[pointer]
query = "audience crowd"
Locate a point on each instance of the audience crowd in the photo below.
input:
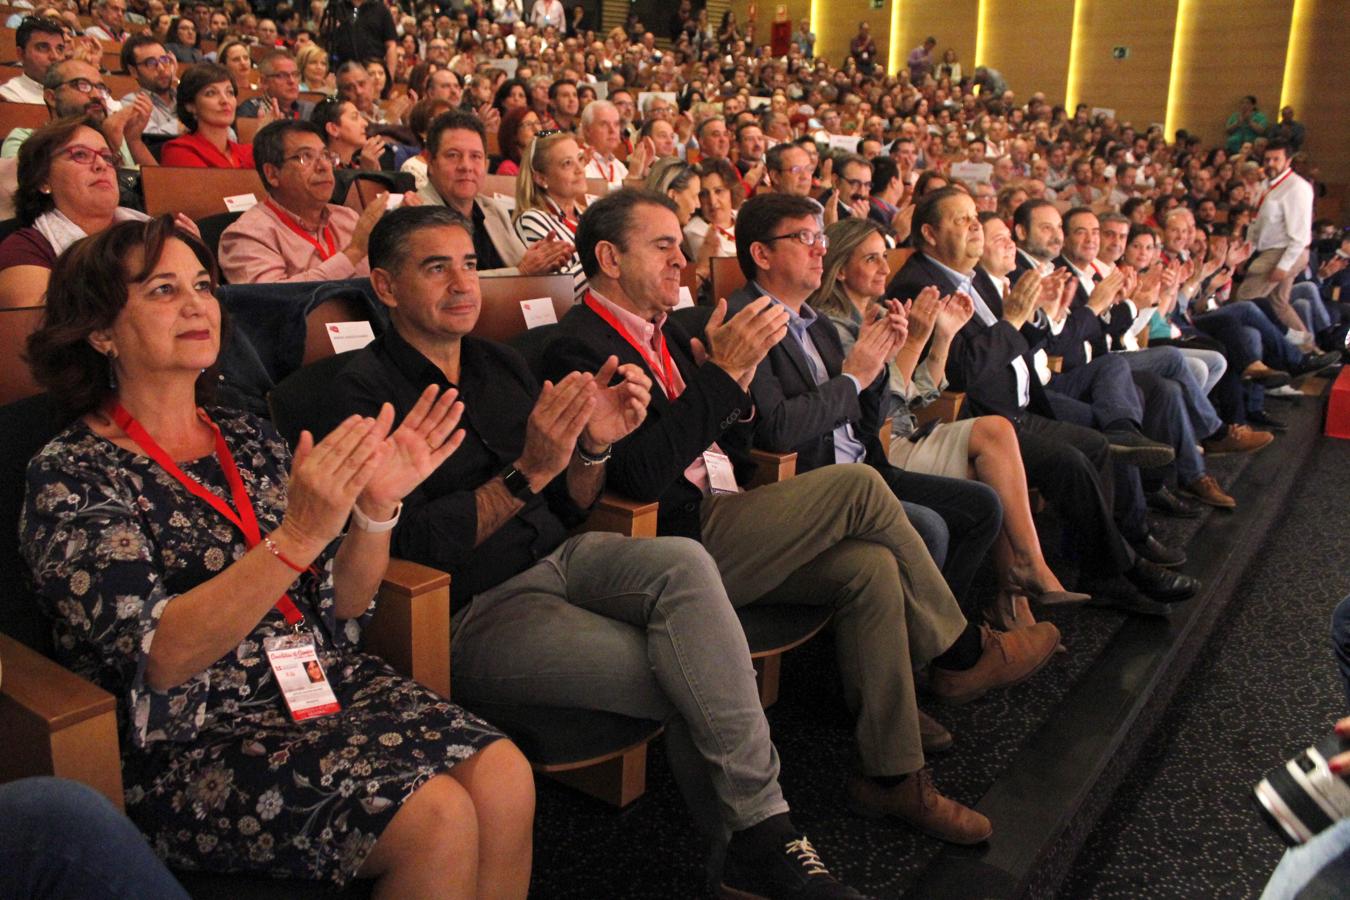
(1113, 308)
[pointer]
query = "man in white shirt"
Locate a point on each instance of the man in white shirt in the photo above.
(41, 42)
(1280, 236)
(109, 19)
(600, 132)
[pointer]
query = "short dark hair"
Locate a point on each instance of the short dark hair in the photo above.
(988, 216)
(269, 144)
(610, 219)
(884, 171)
(134, 43)
(388, 245)
(37, 25)
(1279, 144)
(742, 126)
(35, 165)
(773, 158)
(86, 292)
(553, 88)
(196, 79)
(758, 218)
(1129, 206)
(454, 120)
(928, 211)
(327, 111)
(1022, 217)
(1074, 213)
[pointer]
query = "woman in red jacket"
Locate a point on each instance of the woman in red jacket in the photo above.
(206, 103)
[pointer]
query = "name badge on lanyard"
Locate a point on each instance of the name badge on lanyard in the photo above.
(304, 685)
(721, 474)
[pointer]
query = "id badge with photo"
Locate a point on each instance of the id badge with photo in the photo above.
(304, 684)
(721, 474)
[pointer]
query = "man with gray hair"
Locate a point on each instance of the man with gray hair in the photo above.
(280, 97)
(109, 17)
(600, 132)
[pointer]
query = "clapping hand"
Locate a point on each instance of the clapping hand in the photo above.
(954, 311)
(738, 346)
(619, 408)
(923, 313)
(427, 437)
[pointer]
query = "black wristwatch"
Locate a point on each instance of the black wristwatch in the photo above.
(516, 483)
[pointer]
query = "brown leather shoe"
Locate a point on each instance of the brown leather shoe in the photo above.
(1207, 491)
(917, 802)
(935, 736)
(1265, 375)
(1237, 439)
(1009, 657)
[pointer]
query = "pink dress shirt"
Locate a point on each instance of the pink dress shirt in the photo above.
(259, 248)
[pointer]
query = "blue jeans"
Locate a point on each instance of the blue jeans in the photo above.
(61, 839)
(1340, 641)
(1319, 869)
(1105, 385)
(1170, 363)
(1307, 302)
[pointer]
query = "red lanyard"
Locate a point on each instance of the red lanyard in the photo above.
(664, 371)
(1273, 185)
(325, 251)
(241, 516)
(607, 170)
(557, 211)
(726, 234)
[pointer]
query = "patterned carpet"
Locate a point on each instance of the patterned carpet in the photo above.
(653, 851)
(1183, 824)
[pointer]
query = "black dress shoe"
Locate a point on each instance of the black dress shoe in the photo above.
(1266, 423)
(1133, 448)
(1169, 504)
(1160, 584)
(780, 865)
(1314, 362)
(1156, 553)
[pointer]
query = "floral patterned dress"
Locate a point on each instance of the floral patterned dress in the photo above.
(216, 772)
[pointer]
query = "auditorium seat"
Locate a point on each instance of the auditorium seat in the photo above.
(502, 318)
(727, 277)
(16, 324)
(197, 193)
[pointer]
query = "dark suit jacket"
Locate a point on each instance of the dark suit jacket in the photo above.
(1118, 321)
(649, 464)
(794, 414)
(980, 360)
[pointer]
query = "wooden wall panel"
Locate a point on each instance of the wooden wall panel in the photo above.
(1315, 87)
(837, 24)
(953, 22)
(1029, 44)
(1229, 48)
(1135, 87)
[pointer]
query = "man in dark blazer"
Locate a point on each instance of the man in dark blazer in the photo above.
(827, 408)
(991, 361)
(834, 536)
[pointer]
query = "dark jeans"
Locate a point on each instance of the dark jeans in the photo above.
(61, 839)
(1227, 394)
(1127, 487)
(1105, 384)
(972, 513)
(1340, 641)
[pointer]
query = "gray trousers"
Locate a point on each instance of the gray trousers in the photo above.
(838, 536)
(640, 627)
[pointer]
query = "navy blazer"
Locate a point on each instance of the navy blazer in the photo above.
(649, 464)
(793, 414)
(980, 360)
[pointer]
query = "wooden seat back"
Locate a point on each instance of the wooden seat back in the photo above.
(197, 193)
(21, 115)
(727, 277)
(896, 259)
(16, 324)
(501, 317)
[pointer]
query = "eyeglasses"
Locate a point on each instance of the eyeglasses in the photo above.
(85, 86)
(806, 237)
(286, 76)
(859, 184)
(157, 62)
(798, 170)
(83, 155)
(307, 158)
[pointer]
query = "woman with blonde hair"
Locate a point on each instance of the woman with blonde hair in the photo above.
(312, 61)
(551, 195)
(982, 449)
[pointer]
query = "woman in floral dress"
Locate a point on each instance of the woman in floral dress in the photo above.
(164, 541)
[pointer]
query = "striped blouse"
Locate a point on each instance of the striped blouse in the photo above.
(535, 225)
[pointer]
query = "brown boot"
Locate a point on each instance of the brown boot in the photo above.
(934, 735)
(1009, 657)
(1237, 439)
(1207, 491)
(917, 802)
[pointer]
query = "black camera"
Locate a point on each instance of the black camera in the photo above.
(1304, 797)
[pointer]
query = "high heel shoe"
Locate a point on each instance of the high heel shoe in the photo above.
(1023, 581)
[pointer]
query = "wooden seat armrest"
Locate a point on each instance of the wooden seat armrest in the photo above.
(56, 723)
(1055, 363)
(411, 626)
(620, 515)
(771, 468)
(946, 408)
(885, 433)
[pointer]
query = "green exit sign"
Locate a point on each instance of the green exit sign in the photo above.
(878, 4)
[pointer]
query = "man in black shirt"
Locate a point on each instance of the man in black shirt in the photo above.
(640, 627)
(364, 31)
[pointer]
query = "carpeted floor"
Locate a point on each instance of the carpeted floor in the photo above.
(1183, 824)
(652, 850)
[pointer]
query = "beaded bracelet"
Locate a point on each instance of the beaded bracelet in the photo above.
(271, 545)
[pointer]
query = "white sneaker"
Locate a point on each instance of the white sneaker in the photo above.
(1284, 390)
